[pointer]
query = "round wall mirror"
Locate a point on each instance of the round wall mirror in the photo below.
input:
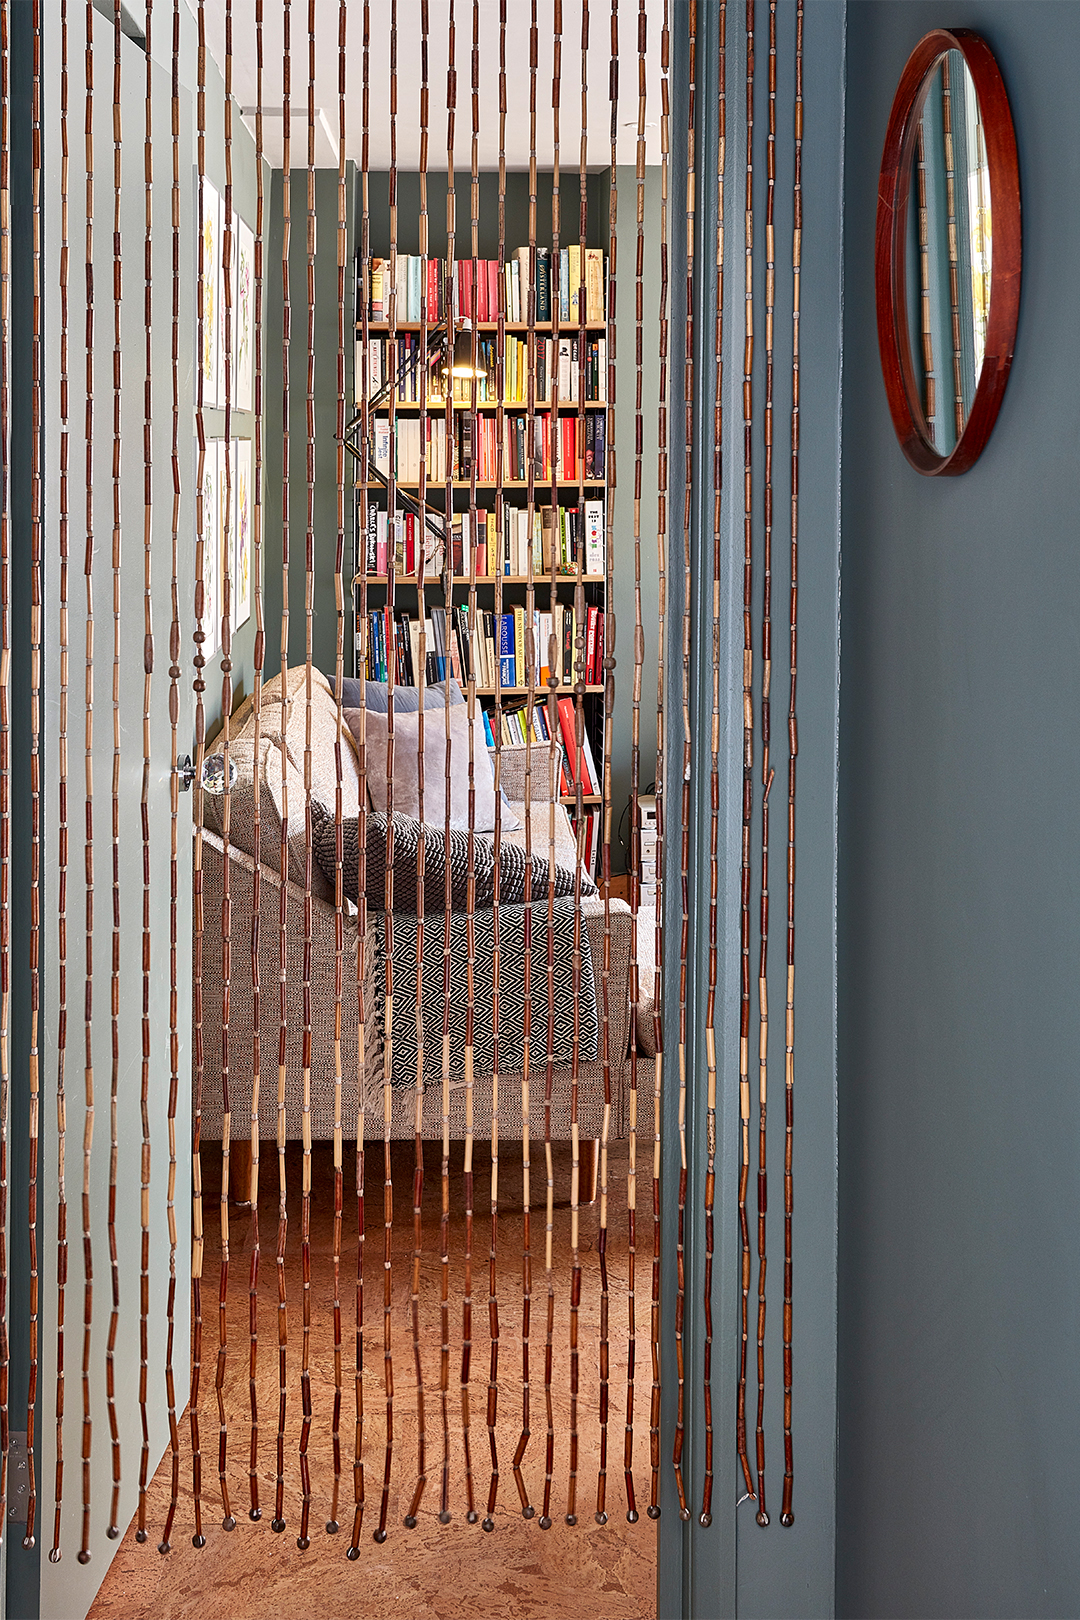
(948, 251)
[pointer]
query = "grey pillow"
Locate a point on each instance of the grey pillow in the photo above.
(406, 698)
(406, 795)
(407, 701)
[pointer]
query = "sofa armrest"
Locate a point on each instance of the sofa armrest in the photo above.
(615, 1005)
(324, 926)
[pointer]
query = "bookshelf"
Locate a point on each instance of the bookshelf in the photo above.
(569, 455)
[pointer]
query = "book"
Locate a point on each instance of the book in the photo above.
(579, 759)
(594, 285)
(519, 646)
(438, 637)
(382, 445)
(543, 284)
(566, 667)
(507, 662)
(592, 618)
(371, 540)
(378, 295)
(574, 268)
(524, 284)
(594, 537)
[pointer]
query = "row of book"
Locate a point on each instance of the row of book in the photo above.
(477, 290)
(488, 647)
(560, 363)
(570, 449)
(560, 538)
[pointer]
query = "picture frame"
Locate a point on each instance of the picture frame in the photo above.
(209, 270)
(240, 451)
(244, 316)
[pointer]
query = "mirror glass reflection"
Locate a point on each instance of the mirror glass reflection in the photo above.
(948, 251)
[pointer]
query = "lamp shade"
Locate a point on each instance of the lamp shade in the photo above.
(461, 364)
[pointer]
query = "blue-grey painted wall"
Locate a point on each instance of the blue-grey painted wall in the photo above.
(959, 1319)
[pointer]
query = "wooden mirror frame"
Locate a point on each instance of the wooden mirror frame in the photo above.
(890, 259)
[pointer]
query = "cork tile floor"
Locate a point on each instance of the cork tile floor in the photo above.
(433, 1572)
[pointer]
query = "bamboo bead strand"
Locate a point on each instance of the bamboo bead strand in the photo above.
(363, 396)
(144, 806)
(303, 1540)
(488, 1521)
(662, 472)
(605, 812)
(259, 655)
(88, 805)
(175, 672)
(714, 782)
(410, 1520)
(62, 839)
(5, 733)
(444, 1219)
(684, 845)
(766, 769)
(533, 655)
(379, 1534)
(277, 1523)
(787, 1516)
(635, 718)
(553, 732)
(225, 315)
(332, 1525)
(114, 977)
(748, 758)
(37, 525)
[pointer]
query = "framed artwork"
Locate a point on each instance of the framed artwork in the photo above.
(241, 453)
(211, 523)
(220, 401)
(243, 315)
(209, 359)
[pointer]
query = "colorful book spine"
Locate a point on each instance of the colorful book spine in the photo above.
(507, 661)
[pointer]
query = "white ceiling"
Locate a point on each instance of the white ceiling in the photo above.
(518, 21)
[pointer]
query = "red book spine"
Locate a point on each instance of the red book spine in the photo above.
(433, 290)
(410, 544)
(576, 758)
(493, 289)
(590, 647)
(465, 278)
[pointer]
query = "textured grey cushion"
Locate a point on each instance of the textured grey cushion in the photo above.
(513, 865)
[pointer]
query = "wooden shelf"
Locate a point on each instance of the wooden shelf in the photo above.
(566, 328)
(537, 691)
(518, 406)
(435, 485)
(462, 582)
